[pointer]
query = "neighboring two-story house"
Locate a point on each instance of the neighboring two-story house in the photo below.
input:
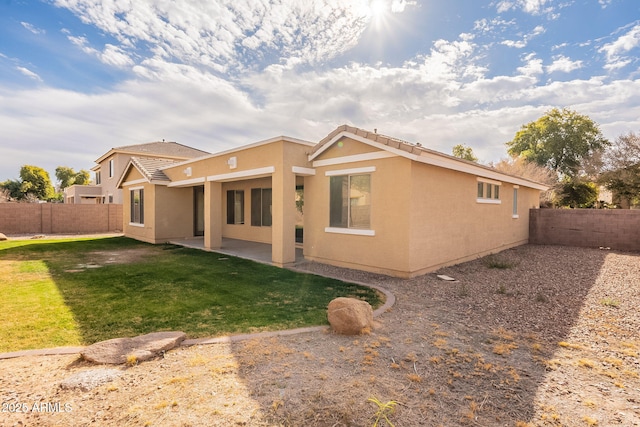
(110, 166)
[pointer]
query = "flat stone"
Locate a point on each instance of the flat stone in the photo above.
(87, 380)
(2, 237)
(445, 277)
(144, 347)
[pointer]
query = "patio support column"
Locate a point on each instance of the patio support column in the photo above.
(213, 215)
(283, 237)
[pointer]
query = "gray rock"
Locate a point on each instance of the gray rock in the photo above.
(122, 350)
(87, 380)
(350, 316)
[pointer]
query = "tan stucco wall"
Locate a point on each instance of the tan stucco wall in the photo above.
(424, 217)
(449, 226)
(386, 252)
(244, 231)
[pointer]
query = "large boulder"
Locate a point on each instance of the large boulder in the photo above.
(128, 350)
(350, 316)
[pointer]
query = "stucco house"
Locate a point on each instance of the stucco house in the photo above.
(110, 166)
(371, 202)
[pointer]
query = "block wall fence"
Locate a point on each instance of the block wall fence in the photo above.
(613, 228)
(55, 218)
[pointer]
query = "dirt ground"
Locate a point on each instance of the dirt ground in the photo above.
(534, 336)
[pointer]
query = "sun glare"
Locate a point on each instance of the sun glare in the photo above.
(378, 8)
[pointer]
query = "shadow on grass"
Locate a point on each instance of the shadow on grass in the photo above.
(119, 287)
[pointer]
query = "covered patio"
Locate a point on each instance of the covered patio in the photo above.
(259, 252)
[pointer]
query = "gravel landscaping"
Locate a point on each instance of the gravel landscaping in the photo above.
(533, 336)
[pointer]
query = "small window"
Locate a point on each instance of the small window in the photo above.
(235, 207)
(137, 206)
(111, 169)
(350, 201)
(488, 192)
(515, 203)
(261, 207)
(110, 198)
(98, 178)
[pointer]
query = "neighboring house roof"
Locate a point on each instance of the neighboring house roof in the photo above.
(160, 148)
(418, 153)
(150, 168)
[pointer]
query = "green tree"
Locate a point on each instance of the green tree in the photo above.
(36, 182)
(464, 152)
(67, 177)
(12, 189)
(576, 193)
(561, 140)
(622, 168)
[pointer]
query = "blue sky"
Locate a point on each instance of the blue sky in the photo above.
(78, 77)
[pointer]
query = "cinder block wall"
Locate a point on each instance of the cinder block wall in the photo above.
(613, 228)
(53, 218)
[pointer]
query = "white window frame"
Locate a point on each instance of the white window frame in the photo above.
(515, 202)
(492, 186)
(349, 173)
(112, 169)
(131, 208)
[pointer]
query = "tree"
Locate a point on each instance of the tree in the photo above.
(562, 140)
(464, 152)
(67, 177)
(575, 193)
(11, 189)
(518, 166)
(36, 182)
(622, 168)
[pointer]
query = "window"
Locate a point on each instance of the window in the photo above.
(98, 178)
(261, 207)
(110, 198)
(137, 206)
(111, 169)
(350, 201)
(515, 203)
(235, 207)
(488, 192)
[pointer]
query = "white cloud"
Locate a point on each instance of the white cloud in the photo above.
(563, 64)
(532, 66)
(243, 33)
(519, 44)
(534, 7)
(616, 50)
(398, 6)
(32, 28)
(29, 73)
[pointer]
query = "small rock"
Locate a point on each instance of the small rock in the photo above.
(87, 380)
(350, 316)
(140, 348)
(2, 237)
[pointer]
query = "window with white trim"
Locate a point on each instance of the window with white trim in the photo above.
(137, 206)
(112, 171)
(488, 192)
(515, 203)
(350, 201)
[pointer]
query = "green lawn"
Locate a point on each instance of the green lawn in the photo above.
(72, 292)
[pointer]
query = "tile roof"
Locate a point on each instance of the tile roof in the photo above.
(150, 167)
(169, 149)
(415, 149)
